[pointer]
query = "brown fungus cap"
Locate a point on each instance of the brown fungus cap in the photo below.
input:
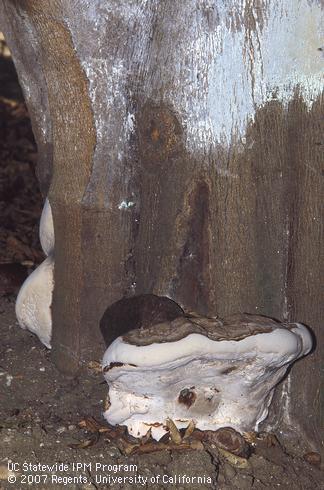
(236, 327)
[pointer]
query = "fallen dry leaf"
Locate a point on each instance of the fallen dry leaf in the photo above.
(228, 439)
(174, 432)
(234, 460)
(250, 437)
(189, 430)
(95, 366)
(87, 442)
(156, 446)
(268, 438)
(147, 438)
(113, 433)
(90, 424)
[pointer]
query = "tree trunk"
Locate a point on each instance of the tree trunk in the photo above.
(186, 146)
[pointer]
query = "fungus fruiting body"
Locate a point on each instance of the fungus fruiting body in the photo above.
(46, 229)
(213, 372)
(33, 304)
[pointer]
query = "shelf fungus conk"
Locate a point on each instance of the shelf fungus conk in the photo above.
(33, 304)
(213, 372)
(46, 229)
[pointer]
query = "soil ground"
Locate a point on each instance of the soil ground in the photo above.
(40, 415)
(48, 419)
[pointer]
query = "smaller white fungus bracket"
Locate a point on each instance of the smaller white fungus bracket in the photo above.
(33, 304)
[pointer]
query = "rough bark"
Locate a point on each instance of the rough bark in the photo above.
(186, 162)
